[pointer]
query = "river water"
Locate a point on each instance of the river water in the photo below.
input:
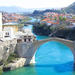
(52, 58)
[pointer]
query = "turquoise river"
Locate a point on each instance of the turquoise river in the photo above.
(52, 58)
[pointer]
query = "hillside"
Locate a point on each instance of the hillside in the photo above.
(38, 12)
(70, 8)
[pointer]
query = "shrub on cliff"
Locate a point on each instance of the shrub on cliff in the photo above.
(11, 57)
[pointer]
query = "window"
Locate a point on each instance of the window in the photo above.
(7, 34)
(29, 40)
(24, 40)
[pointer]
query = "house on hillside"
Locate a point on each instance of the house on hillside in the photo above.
(49, 22)
(10, 29)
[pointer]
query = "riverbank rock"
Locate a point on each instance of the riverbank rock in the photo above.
(16, 64)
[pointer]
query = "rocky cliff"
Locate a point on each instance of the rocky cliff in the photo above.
(6, 48)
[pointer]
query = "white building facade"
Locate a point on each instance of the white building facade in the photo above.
(1, 32)
(0, 21)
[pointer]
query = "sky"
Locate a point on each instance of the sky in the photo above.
(37, 3)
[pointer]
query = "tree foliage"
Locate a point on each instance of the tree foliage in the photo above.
(41, 29)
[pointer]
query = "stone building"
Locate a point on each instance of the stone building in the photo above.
(26, 36)
(10, 29)
(0, 21)
(1, 33)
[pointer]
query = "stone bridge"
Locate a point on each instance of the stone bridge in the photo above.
(28, 50)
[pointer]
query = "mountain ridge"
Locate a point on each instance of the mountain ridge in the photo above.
(14, 9)
(70, 8)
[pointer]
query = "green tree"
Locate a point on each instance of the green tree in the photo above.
(41, 29)
(60, 18)
(55, 18)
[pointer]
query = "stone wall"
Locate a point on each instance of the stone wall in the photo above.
(25, 50)
(22, 49)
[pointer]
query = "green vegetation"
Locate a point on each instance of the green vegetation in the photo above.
(73, 17)
(55, 18)
(1, 71)
(44, 29)
(60, 30)
(41, 29)
(11, 57)
(62, 18)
